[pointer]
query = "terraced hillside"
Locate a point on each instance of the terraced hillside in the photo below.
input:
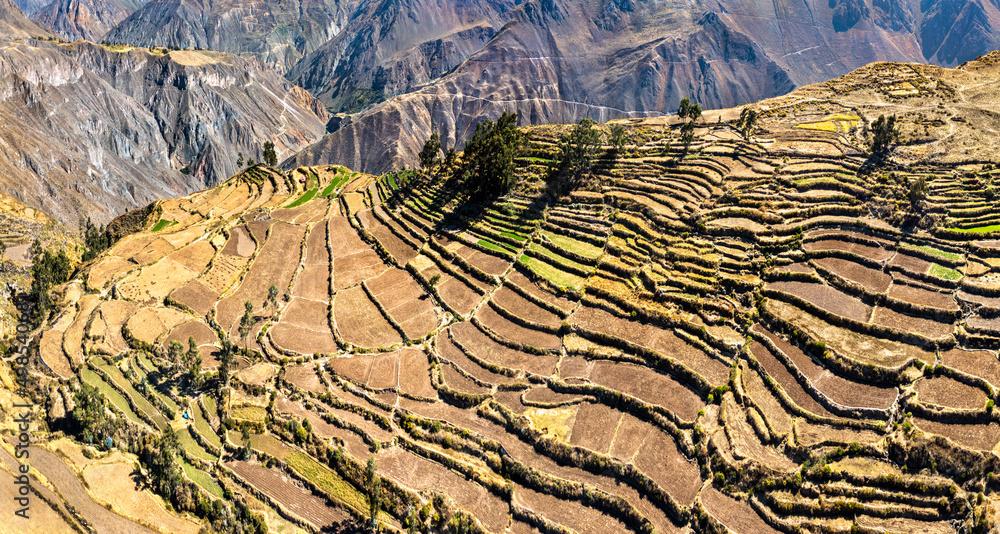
(748, 335)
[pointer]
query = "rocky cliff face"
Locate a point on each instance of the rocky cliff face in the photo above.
(391, 46)
(84, 19)
(14, 25)
(91, 131)
(278, 33)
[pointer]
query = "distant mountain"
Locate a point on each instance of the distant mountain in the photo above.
(93, 131)
(278, 33)
(561, 60)
(84, 19)
(391, 46)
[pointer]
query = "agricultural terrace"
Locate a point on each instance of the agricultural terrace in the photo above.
(761, 334)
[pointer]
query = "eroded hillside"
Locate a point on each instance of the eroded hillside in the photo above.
(754, 335)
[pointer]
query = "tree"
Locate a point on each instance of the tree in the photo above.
(682, 109)
(246, 323)
(192, 358)
(95, 239)
(272, 298)
(616, 135)
(270, 156)
(577, 149)
(687, 110)
(429, 155)
(884, 133)
(48, 270)
(748, 122)
(226, 357)
(373, 484)
(175, 351)
(239, 160)
(89, 416)
(488, 160)
(450, 157)
(694, 112)
(918, 191)
(687, 135)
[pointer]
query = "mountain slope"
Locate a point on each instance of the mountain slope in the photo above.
(14, 25)
(84, 19)
(391, 46)
(93, 132)
(559, 62)
(276, 32)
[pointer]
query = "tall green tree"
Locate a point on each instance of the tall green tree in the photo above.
(577, 149)
(175, 351)
(617, 138)
(95, 239)
(192, 358)
(687, 135)
(373, 483)
(682, 109)
(748, 122)
(246, 322)
(429, 156)
(226, 358)
(272, 298)
(89, 416)
(270, 156)
(488, 160)
(884, 133)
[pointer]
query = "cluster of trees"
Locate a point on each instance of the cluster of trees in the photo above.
(95, 239)
(270, 157)
(166, 477)
(190, 360)
(48, 269)
(488, 161)
(89, 418)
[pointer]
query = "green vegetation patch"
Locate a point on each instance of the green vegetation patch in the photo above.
(163, 224)
(559, 259)
(202, 479)
(328, 481)
(110, 393)
(512, 235)
(306, 197)
(944, 272)
(493, 246)
(192, 447)
(978, 229)
(339, 180)
(937, 252)
(551, 273)
(582, 248)
(204, 428)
